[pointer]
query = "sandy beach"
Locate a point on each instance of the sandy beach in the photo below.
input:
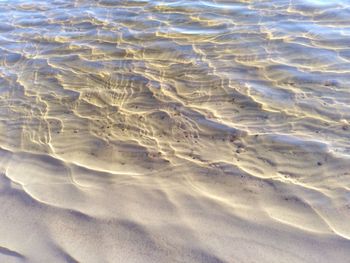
(175, 131)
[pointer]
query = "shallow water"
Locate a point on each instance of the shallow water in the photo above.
(175, 131)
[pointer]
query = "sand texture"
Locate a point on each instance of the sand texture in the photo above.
(175, 131)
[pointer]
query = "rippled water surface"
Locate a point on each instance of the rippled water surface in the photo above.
(175, 131)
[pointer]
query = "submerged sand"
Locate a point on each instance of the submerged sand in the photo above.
(174, 131)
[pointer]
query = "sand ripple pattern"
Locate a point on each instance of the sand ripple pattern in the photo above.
(175, 131)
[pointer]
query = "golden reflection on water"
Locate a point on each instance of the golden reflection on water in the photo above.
(239, 107)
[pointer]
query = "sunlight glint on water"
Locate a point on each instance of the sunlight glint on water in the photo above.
(175, 131)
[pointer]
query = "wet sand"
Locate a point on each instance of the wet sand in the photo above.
(175, 131)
